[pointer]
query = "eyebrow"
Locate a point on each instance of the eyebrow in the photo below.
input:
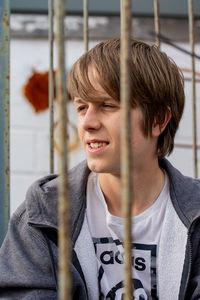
(79, 100)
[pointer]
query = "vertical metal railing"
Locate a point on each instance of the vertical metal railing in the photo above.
(191, 38)
(51, 86)
(64, 208)
(63, 190)
(85, 31)
(4, 117)
(157, 21)
(126, 143)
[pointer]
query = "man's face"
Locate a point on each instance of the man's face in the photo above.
(99, 130)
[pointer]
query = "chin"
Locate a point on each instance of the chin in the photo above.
(102, 168)
(95, 167)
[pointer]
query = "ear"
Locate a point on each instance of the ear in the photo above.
(158, 128)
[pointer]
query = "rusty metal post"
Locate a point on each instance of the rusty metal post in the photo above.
(157, 21)
(126, 143)
(85, 14)
(191, 37)
(51, 88)
(4, 117)
(63, 190)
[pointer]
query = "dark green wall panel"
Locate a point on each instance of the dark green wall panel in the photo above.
(106, 7)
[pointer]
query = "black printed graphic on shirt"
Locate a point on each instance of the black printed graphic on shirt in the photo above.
(110, 274)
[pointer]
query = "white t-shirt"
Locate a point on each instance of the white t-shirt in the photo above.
(107, 235)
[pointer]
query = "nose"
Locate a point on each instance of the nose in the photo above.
(91, 120)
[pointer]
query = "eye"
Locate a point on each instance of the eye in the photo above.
(110, 106)
(81, 108)
(107, 105)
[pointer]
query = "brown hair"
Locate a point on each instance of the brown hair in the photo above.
(157, 84)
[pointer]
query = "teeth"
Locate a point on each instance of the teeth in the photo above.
(97, 145)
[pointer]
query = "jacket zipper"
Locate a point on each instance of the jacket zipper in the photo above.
(47, 226)
(42, 226)
(190, 257)
(189, 266)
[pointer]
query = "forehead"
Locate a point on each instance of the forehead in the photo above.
(90, 80)
(92, 90)
(94, 81)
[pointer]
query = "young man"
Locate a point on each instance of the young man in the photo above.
(166, 206)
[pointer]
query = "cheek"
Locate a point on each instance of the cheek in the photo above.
(80, 130)
(116, 133)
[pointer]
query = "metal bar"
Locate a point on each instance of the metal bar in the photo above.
(126, 143)
(191, 37)
(185, 146)
(166, 40)
(85, 14)
(4, 117)
(51, 88)
(157, 21)
(63, 190)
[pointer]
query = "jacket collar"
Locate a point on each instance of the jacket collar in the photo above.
(42, 197)
(184, 192)
(42, 200)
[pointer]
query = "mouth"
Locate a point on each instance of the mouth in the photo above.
(97, 145)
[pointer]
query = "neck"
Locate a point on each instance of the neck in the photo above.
(147, 185)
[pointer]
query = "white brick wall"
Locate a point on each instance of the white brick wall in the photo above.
(29, 131)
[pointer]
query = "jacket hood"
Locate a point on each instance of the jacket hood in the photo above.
(42, 197)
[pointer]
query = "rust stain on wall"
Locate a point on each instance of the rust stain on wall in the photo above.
(36, 90)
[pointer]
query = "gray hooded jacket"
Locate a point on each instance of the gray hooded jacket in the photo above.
(29, 254)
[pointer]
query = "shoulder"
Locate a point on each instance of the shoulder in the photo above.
(40, 206)
(24, 249)
(49, 184)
